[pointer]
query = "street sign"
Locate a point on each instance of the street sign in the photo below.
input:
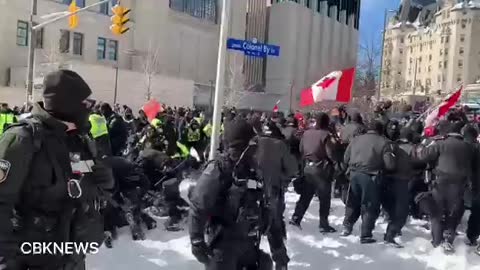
(253, 48)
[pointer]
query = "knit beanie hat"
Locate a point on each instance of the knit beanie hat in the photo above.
(64, 92)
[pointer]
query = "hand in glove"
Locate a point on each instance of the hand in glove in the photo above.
(201, 251)
(103, 176)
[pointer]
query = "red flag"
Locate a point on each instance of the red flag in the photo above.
(152, 108)
(442, 109)
(275, 108)
(336, 86)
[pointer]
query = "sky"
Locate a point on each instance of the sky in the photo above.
(372, 18)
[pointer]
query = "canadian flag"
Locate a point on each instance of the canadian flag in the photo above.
(336, 86)
(442, 109)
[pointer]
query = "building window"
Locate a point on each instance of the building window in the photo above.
(409, 83)
(439, 78)
(22, 33)
(446, 51)
(421, 47)
(429, 68)
(411, 60)
(101, 48)
(112, 50)
(462, 38)
(104, 8)
(399, 73)
(64, 44)
(463, 26)
(78, 43)
(445, 64)
(459, 79)
(461, 51)
(80, 3)
(441, 51)
(401, 51)
(401, 40)
(442, 40)
(204, 9)
(411, 49)
(460, 63)
(430, 57)
(420, 59)
(440, 64)
(38, 38)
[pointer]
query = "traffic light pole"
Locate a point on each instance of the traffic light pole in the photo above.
(31, 43)
(31, 52)
(219, 84)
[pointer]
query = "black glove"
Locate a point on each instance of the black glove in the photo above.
(103, 176)
(201, 251)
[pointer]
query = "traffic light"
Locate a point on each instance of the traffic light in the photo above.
(119, 19)
(73, 19)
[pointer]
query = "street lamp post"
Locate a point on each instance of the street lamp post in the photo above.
(31, 52)
(219, 83)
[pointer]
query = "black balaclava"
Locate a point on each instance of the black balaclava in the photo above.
(238, 134)
(64, 95)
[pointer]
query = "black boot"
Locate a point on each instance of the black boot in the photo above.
(471, 242)
(346, 231)
(295, 222)
(281, 266)
(367, 240)
(108, 239)
(327, 229)
(390, 241)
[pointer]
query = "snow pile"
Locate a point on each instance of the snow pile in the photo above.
(470, 4)
(308, 249)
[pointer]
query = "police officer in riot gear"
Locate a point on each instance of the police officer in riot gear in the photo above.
(317, 148)
(396, 183)
(470, 135)
(99, 132)
(228, 203)
(454, 164)
(51, 178)
(276, 166)
(368, 156)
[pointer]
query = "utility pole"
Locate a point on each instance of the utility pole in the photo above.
(219, 84)
(210, 101)
(116, 85)
(31, 51)
(415, 78)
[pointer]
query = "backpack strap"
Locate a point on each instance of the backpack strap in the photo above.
(35, 127)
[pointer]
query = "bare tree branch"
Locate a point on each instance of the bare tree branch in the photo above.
(151, 60)
(235, 88)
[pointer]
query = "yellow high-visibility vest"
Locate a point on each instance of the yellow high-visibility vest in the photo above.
(193, 135)
(208, 130)
(156, 123)
(98, 125)
(184, 152)
(6, 119)
(199, 120)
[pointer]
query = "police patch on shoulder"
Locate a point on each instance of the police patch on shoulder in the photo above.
(4, 169)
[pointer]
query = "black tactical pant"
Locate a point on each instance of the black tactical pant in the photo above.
(397, 190)
(448, 198)
(363, 199)
(238, 255)
(73, 262)
(473, 229)
(277, 233)
(415, 187)
(315, 183)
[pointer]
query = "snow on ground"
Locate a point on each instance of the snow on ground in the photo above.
(307, 248)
